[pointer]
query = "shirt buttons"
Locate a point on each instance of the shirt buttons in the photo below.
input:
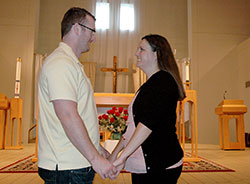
(148, 168)
(145, 155)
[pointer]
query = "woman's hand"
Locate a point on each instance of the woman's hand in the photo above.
(119, 164)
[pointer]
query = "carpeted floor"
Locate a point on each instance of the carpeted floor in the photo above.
(26, 165)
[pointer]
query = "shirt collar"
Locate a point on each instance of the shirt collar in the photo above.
(69, 51)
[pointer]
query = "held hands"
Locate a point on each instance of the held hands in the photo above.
(104, 168)
(119, 163)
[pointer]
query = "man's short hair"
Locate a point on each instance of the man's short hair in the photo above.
(73, 15)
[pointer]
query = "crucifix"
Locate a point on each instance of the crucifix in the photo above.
(114, 70)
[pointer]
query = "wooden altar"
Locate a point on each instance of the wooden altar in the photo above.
(108, 100)
(231, 109)
(113, 99)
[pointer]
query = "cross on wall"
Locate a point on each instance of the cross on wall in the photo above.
(114, 70)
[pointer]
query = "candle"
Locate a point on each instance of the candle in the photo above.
(18, 77)
(187, 69)
(174, 53)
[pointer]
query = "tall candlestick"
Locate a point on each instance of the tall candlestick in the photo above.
(187, 63)
(18, 77)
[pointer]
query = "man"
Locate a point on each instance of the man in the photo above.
(68, 131)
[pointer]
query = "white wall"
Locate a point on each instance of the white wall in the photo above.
(243, 58)
(17, 38)
(218, 28)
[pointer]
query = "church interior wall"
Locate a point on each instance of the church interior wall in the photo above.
(243, 51)
(218, 27)
(166, 17)
(17, 38)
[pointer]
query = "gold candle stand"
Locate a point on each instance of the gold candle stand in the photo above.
(37, 117)
(191, 98)
(16, 117)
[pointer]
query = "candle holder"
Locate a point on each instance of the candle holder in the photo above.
(13, 137)
(191, 100)
(187, 84)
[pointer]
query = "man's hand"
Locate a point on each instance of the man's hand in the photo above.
(103, 167)
(119, 164)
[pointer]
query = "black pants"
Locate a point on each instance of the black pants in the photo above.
(168, 176)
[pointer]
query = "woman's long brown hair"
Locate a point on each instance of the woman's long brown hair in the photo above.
(166, 60)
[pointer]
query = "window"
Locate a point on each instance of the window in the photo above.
(127, 17)
(102, 15)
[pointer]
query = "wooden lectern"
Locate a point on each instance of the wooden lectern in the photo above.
(226, 110)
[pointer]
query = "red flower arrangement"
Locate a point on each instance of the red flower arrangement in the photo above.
(114, 120)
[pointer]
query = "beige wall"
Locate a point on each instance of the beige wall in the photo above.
(17, 38)
(51, 14)
(243, 57)
(165, 17)
(218, 27)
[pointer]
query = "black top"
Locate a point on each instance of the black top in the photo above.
(155, 107)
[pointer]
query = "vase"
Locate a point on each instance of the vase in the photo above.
(116, 136)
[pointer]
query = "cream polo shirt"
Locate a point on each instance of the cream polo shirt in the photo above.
(62, 77)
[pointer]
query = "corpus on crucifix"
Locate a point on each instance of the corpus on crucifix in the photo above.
(114, 70)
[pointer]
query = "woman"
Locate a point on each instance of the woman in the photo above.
(154, 115)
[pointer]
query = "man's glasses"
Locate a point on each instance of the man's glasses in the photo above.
(93, 30)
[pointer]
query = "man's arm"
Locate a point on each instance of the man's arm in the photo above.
(104, 152)
(76, 131)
